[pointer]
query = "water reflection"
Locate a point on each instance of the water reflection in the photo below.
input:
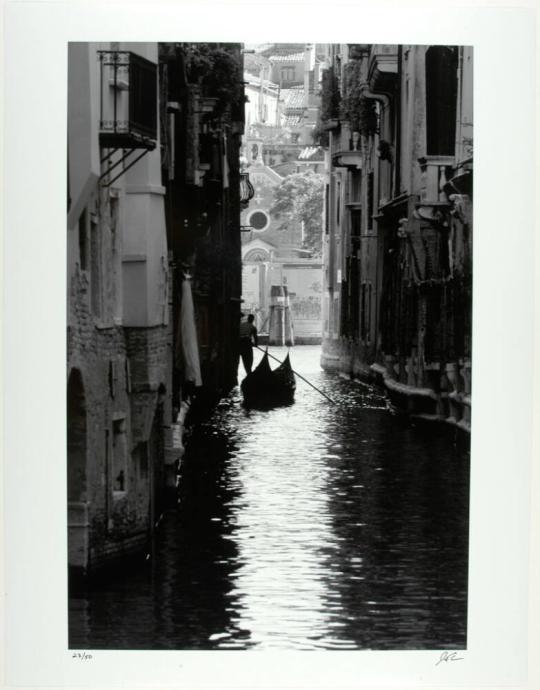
(306, 527)
(280, 528)
(402, 584)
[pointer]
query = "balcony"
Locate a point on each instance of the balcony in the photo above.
(247, 191)
(383, 68)
(347, 159)
(347, 153)
(128, 101)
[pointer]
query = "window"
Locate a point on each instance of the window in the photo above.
(256, 255)
(141, 455)
(356, 186)
(259, 220)
(326, 194)
(143, 96)
(363, 322)
(83, 241)
(370, 201)
(116, 273)
(127, 375)
(95, 269)
(107, 477)
(112, 378)
(368, 326)
(287, 74)
(356, 229)
(119, 468)
(76, 438)
(441, 98)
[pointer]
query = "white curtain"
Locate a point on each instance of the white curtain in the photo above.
(188, 347)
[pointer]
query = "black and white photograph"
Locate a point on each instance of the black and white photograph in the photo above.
(269, 345)
(268, 320)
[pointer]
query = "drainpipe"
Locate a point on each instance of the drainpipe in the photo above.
(385, 102)
(458, 148)
(398, 125)
(261, 92)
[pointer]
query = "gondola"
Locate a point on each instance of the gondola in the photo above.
(264, 387)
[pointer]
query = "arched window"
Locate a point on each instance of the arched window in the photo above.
(256, 255)
(441, 97)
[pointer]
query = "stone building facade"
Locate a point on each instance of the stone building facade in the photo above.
(119, 344)
(203, 122)
(398, 131)
(282, 91)
(154, 275)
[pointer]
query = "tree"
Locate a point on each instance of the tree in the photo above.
(299, 198)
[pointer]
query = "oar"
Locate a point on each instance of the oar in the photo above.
(299, 376)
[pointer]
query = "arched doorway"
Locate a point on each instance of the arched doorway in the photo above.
(76, 438)
(76, 472)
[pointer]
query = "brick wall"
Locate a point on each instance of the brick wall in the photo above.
(121, 371)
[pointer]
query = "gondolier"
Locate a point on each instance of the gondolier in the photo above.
(248, 338)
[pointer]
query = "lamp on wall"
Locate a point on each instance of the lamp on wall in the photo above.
(247, 191)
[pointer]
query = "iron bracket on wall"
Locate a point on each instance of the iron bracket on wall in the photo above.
(119, 162)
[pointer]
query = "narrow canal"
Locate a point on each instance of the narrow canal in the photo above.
(314, 526)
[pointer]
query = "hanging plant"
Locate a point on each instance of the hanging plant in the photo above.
(196, 60)
(320, 135)
(384, 151)
(330, 96)
(329, 111)
(356, 108)
(367, 116)
(217, 71)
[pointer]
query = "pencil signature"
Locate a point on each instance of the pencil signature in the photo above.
(449, 656)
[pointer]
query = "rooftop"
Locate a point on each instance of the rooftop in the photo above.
(295, 57)
(253, 80)
(293, 121)
(293, 98)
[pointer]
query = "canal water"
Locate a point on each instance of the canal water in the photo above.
(313, 526)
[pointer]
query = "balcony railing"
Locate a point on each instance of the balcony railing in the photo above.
(128, 107)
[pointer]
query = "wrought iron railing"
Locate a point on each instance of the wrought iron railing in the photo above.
(247, 191)
(128, 100)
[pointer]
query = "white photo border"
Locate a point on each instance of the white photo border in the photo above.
(35, 573)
